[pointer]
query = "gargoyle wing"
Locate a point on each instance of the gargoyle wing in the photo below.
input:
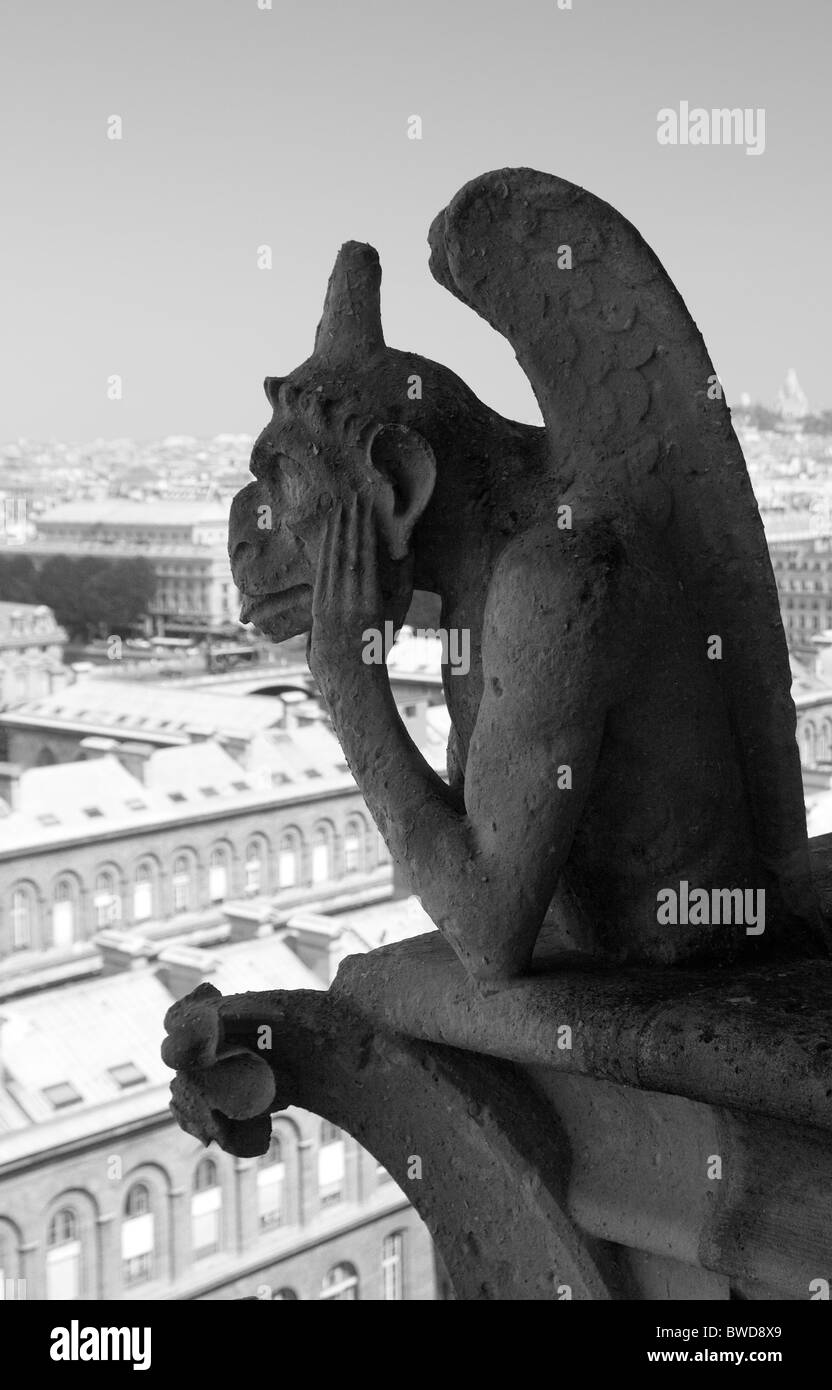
(624, 382)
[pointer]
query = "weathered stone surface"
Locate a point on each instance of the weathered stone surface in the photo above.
(758, 1039)
(463, 1136)
(619, 1171)
(626, 723)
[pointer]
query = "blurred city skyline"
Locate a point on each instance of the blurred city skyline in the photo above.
(288, 127)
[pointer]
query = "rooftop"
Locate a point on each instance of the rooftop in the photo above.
(128, 708)
(78, 1046)
(116, 511)
(101, 796)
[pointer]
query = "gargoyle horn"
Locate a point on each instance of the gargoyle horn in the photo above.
(350, 325)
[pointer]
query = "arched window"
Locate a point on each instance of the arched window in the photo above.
(63, 913)
(271, 1173)
(254, 866)
(340, 1284)
(206, 1210)
(137, 1236)
(287, 861)
(331, 1165)
(354, 847)
(392, 1271)
(63, 1256)
(45, 758)
(106, 900)
(320, 855)
(824, 748)
(8, 1262)
(143, 892)
(182, 897)
(808, 744)
(218, 875)
(23, 918)
(285, 1296)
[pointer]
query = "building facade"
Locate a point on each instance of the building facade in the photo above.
(31, 653)
(184, 542)
(105, 847)
(802, 563)
(103, 1197)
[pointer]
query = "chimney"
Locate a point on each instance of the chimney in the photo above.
(10, 784)
(182, 968)
(249, 920)
(315, 941)
(95, 747)
(122, 950)
(134, 758)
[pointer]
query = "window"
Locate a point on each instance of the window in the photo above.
(352, 848)
(143, 893)
(254, 867)
(391, 1267)
(206, 1210)
(127, 1074)
(287, 862)
(62, 1094)
(137, 1236)
(23, 917)
(270, 1183)
(340, 1284)
(218, 876)
(320, 856)
(63, 1256)
(63, 913)
(8, 1261)
(181, 884)
(331, 1165)
(106, 900)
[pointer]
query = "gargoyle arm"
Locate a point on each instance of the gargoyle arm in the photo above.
(486, 868)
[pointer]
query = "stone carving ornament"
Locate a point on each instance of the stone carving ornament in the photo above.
(626, 724)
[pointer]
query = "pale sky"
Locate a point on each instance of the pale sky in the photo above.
(288, 127)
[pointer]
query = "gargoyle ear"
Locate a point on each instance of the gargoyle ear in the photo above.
(405, 461)
(271, 386)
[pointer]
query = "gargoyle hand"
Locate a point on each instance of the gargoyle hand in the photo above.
(222, 1092)
(347, 597)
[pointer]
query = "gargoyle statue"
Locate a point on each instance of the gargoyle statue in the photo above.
(626, 725)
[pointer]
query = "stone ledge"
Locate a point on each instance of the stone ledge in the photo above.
(756, 1039)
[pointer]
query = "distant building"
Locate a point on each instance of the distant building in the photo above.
(31, 652)
(55, 728)
(184, 542)
(812, 695)
(802, 563)
(163, 839)
(102, 1196)
(792, 404)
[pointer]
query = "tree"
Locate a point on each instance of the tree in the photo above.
(18, 579)
(93, 596)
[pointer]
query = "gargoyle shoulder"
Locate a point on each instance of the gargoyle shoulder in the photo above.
(559, 579)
